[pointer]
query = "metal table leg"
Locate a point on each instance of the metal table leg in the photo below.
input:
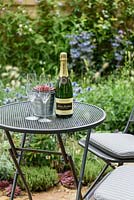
(67, 158)
(62, 148)
(90, 191)
(14, 156)
(78, 195)
(19, 160)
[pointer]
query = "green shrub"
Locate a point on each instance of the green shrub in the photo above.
(47, 142)
(39, 178)
(93, 164)
(6, 165)
(21, 45)
(115, 96)
(33, 44)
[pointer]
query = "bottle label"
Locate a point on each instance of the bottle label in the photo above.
(64, 106)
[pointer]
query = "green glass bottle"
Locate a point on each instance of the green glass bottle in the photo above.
(64, 90)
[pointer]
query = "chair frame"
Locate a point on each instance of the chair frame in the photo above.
(108, 159)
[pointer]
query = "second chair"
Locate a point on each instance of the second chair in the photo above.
(111, 148)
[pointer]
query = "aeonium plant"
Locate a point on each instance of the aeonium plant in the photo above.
(44, 88)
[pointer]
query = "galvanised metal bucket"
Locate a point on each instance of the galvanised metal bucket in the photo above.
(42, 109)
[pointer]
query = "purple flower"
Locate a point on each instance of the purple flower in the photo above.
(121, 32)
(118, 39)
(86, 50)
(78, 90)
(75, 53)
(115, 44)
(7, 101)
(7, 90)
(118, 57)
(73, 42)
(128, 42)
(88, 88)
(84, 44)
(19, 96)
(81, 47)
(85, 35)
(74, 84)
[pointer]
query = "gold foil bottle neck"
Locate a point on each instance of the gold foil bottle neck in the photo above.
(63, 56)
(63, 65)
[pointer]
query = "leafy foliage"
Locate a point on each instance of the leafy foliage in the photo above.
(93, 164)
(115, 96)
(99, 38)
(47, 142)
(6, 166)
(39, 178)
(35, 43)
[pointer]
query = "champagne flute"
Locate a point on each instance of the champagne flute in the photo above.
(45, 95)
(31, 93)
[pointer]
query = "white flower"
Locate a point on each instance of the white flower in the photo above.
(13, 82)
(18, 84)
(132, 72)
(26, 26)
(60, 4)
(132, 79)
(12, 74)
(4, 74)
(16, 69)
(19, 33)
(20, 25)
(41, 62)
(8, 67)
(30, 29)
(23, 11)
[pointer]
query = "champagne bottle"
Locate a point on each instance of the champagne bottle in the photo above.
(64, 90)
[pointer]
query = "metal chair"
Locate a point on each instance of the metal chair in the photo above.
(112, 148)
(118, 185)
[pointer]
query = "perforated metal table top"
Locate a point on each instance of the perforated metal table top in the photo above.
(12, 117)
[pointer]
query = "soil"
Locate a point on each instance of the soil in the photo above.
(57, 193)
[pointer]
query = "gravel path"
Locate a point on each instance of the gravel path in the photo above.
(56, 193)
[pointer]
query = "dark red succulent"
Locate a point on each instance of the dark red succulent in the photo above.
(43, 88)
(4, 184)
(9, 189)
(67, 180)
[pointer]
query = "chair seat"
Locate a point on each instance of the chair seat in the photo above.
(119, 185)
(118, 145)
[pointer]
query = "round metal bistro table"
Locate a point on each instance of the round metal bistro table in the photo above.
(12, 119)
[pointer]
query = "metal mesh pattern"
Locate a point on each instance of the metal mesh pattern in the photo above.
(12, 117)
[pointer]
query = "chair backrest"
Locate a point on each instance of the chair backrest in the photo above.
(129, 122)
